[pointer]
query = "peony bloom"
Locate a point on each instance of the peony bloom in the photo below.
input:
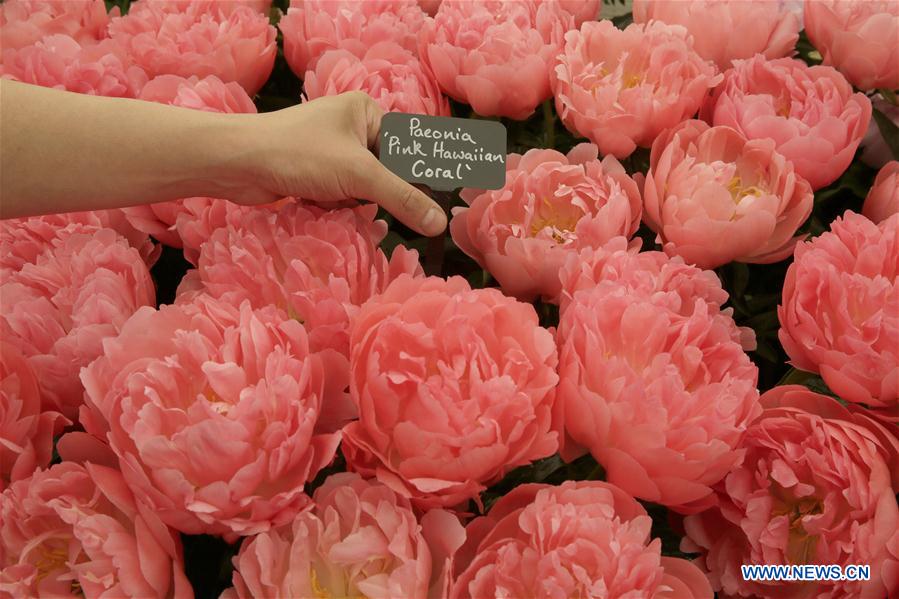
(713, 196)
(883, 198)
(58, 310)
(77, 530)
(317, 265)
(579, 539)
(860, 39)
(360, 540)
(61, 62)
(26, 430)
(817, 486)
(214, 412)
(840, 310)
(237, 44)
(638, 371)
(620, 89)
(216, 7)
(723, 31)
(454, 388)
(581, 10)
(312, 27)
(551, 206)
(386, 72)
(25, 22)
(811, 113)
(495, 56)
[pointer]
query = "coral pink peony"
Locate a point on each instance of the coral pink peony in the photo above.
(552, 205)
(638, 371)
(77, 530)
(811, 113)
(581, 10)
(386, 72)
(59, 309)
(312, 27)
(26, 430)
(620, 89)
(495, 56)
(360, 540)
(714, 197)
(883, 198)
(454, 388)
(817, 486)
(214, 412)
(59, 61)
(26, 22)
(234, 45)
(840, 310)
(860, 39)
(723, 31)
(580, 539)
(216, 7)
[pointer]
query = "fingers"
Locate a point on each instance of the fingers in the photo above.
(410, 205)
(368, 113)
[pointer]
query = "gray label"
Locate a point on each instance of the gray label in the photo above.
(444, 153)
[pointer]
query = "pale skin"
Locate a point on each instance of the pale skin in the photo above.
(66, 152)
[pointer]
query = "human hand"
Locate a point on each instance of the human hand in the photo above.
(322, 150)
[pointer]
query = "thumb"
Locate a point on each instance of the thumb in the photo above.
(410, 205)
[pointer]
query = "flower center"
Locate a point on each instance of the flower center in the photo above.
(800, 544)
(320, 592)
(548, 219)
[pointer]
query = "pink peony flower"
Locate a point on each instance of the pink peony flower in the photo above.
(26, 430)
(883, 198)
(360, 540)
(860, 39)
(216, 7)
(386, 72)
(25, 22)
(817, 486)
(495, 56)
(723, 31)
(60, 62)
(58, 310)
(638, 371)
(811, 113)
(581, 10)
(840, 310)
(237, 44)
(214, 412)
(551, 206)
(317, 265)
(620, 89)
(312, 27)
(454, 388)
(77, 530)
(580, 539)
(713, 196)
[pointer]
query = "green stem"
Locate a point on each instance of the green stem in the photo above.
(549, 123)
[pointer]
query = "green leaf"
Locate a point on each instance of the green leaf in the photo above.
(889, 131)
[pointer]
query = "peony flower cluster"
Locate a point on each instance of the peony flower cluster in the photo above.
(23, 23)
(714, 197)
(817, 486)
(551, 206)
(840, 311)
(620, 89)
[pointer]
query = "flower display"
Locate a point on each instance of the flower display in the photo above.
(454, 388)
(817, 487)
(552, 205)
(250, 397)
(386, 72)
(840, 310)
(883, 198)
(723, 31)
(583, 538)
(362, 539)
(77, 530)
(495, 56)
(23, 23)
(713, 196)
(58, 310)
(811, 113)
(860, 39)
(620, 89)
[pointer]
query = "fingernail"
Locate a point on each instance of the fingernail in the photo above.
(434, 221)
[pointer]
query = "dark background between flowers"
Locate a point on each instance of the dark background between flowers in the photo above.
(755, 290)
